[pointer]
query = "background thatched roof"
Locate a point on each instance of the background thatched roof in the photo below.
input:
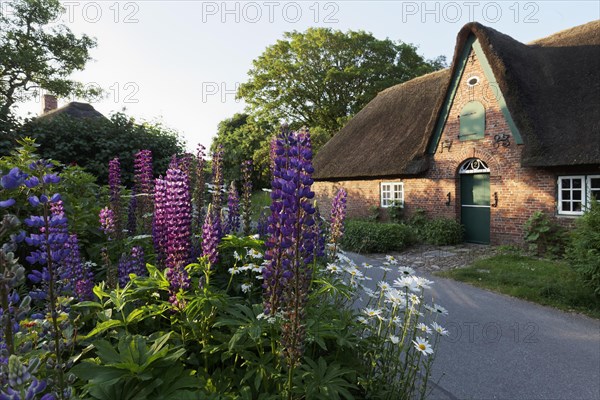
(73, 109)
(551, 87)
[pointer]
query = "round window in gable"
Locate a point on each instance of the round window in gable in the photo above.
(472, 81)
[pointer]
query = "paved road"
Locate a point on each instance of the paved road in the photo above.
(500, 347)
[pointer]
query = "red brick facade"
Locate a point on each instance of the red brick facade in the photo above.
(520, 191)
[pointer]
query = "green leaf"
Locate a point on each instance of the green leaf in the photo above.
(102, 327)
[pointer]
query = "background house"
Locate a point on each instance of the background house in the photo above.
(508, 129)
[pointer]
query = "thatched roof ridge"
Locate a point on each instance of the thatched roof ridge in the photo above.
(73, 109)
(551, 87)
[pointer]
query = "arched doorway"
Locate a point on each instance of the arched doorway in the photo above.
(475, 200)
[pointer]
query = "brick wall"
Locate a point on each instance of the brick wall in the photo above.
(520, 191)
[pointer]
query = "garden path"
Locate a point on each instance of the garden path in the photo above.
(500, 347)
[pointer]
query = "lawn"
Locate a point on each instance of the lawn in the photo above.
(545, 282)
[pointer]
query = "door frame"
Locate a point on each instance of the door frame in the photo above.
(474, 166)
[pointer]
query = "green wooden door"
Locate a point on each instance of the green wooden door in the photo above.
(475, 207)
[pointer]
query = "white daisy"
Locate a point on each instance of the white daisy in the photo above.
(384, 286)
(439, 309)
(423, 328)
(407, 282)
(253, 253)
(391, 259)
(406, 270)
(369, 292)
(422, 282)
(372, 312)
(439, 329)
(362, 320)
(333, 268)
(395, 297)
(422, 345)
(367, 266)
(397, 321)
(234, 270)
(414, 299)
(246, 287)
(236, 255)
(394, 339)
(385, 269)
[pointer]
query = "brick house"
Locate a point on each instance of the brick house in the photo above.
(508, 129)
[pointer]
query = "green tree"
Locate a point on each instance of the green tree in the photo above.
(92, 142)
(321, 77)
(244, 137)
(37, 54)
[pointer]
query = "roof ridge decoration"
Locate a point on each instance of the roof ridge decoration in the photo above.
(473, 43)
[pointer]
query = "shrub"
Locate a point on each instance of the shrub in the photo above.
(373, 237)
(442, 232)
(92, 143)
(584, 247)
(545, 237)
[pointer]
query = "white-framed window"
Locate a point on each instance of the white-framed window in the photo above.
(593, 184)
(575, 192)
(392, 194)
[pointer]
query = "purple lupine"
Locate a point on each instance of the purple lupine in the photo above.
(132, 214)
(199, 184)
(178, 214)
(159, 222)
(77, 276)
(233, 213)
(132, 263)
(107, 222)
(114, 187)
(320, 234)
(144, 188)
(217, 170)
(338, 215)
(290, 245)
(211, 236)
(246, 202)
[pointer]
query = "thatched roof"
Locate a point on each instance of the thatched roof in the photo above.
(551, 87)
(74, 110)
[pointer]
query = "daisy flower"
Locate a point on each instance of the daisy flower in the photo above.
(372, 312)
(395, 297)
(246, 287)
(422, 282)
(253, 253)
(414, 299)
(369, 292)
(333, 268)
(236, 255)
(422, 345)
(406, 270)
(394, 339)
(366, 266)
(423, 328)
(385, 269)
(391, 259)
(384, 286)
(234, 270)
(439, 329)
(439, 309)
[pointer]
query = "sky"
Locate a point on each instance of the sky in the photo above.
(180, 62)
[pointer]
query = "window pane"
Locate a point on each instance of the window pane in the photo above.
(595, 194)
(577, 183)
(577, 194)
(576, 206)
(566, 195)
(565, 183)
(595, 183)
(566, 206)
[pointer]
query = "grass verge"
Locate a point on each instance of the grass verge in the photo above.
(545, 282)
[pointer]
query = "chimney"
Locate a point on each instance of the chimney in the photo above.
(49, 103)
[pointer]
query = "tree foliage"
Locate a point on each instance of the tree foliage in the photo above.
(37, 54)
(92, 142)
(243, 137)
(321, 77)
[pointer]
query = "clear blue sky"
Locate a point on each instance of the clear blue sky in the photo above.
(179, 62)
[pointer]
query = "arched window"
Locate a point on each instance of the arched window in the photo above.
(472, 121)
